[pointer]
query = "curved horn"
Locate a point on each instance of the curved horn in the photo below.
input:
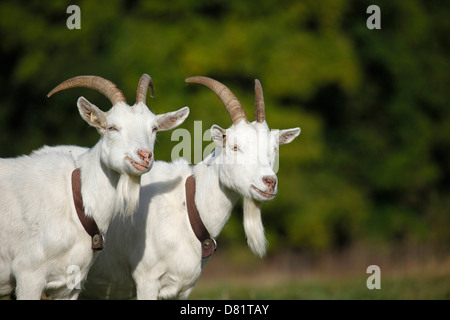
(260, 114)
(227, 97)
(106, 87)
(144, 84)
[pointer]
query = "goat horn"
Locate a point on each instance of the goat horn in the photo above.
(260, 114)
(106, 87)
(144, 84)
(227, 97)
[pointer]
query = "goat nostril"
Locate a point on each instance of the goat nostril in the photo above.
(270, 181)
(145, 156)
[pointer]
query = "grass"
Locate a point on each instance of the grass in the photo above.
(426, 286)
(406, 276)
(332, 277)
(432, 287)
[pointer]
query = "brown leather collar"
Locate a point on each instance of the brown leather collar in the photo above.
(88, 223)
(209, 244)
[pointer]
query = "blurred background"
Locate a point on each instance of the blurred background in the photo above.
(367, 181)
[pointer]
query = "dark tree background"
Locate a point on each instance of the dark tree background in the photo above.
(372, 162)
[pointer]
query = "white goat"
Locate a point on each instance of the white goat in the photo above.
(44, 247)
(156, 253)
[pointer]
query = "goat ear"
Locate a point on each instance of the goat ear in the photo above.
(218, 135)
(286, 136)
(170, 120)
(92, 115)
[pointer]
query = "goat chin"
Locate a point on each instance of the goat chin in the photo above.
(127, 194)
(253, 227)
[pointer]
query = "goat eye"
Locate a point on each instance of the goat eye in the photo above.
(235, 148)
(112, 128)
(155, 129)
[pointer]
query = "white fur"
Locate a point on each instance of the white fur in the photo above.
(253, 226)
(41, 237)
(155, 254)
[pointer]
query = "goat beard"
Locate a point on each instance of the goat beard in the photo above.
(254, 229)
(127, 194)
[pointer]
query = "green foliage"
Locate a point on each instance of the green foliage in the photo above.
(417, 287)
(372, 159)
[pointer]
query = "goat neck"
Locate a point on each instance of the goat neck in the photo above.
(214, 201)
(102, 189)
